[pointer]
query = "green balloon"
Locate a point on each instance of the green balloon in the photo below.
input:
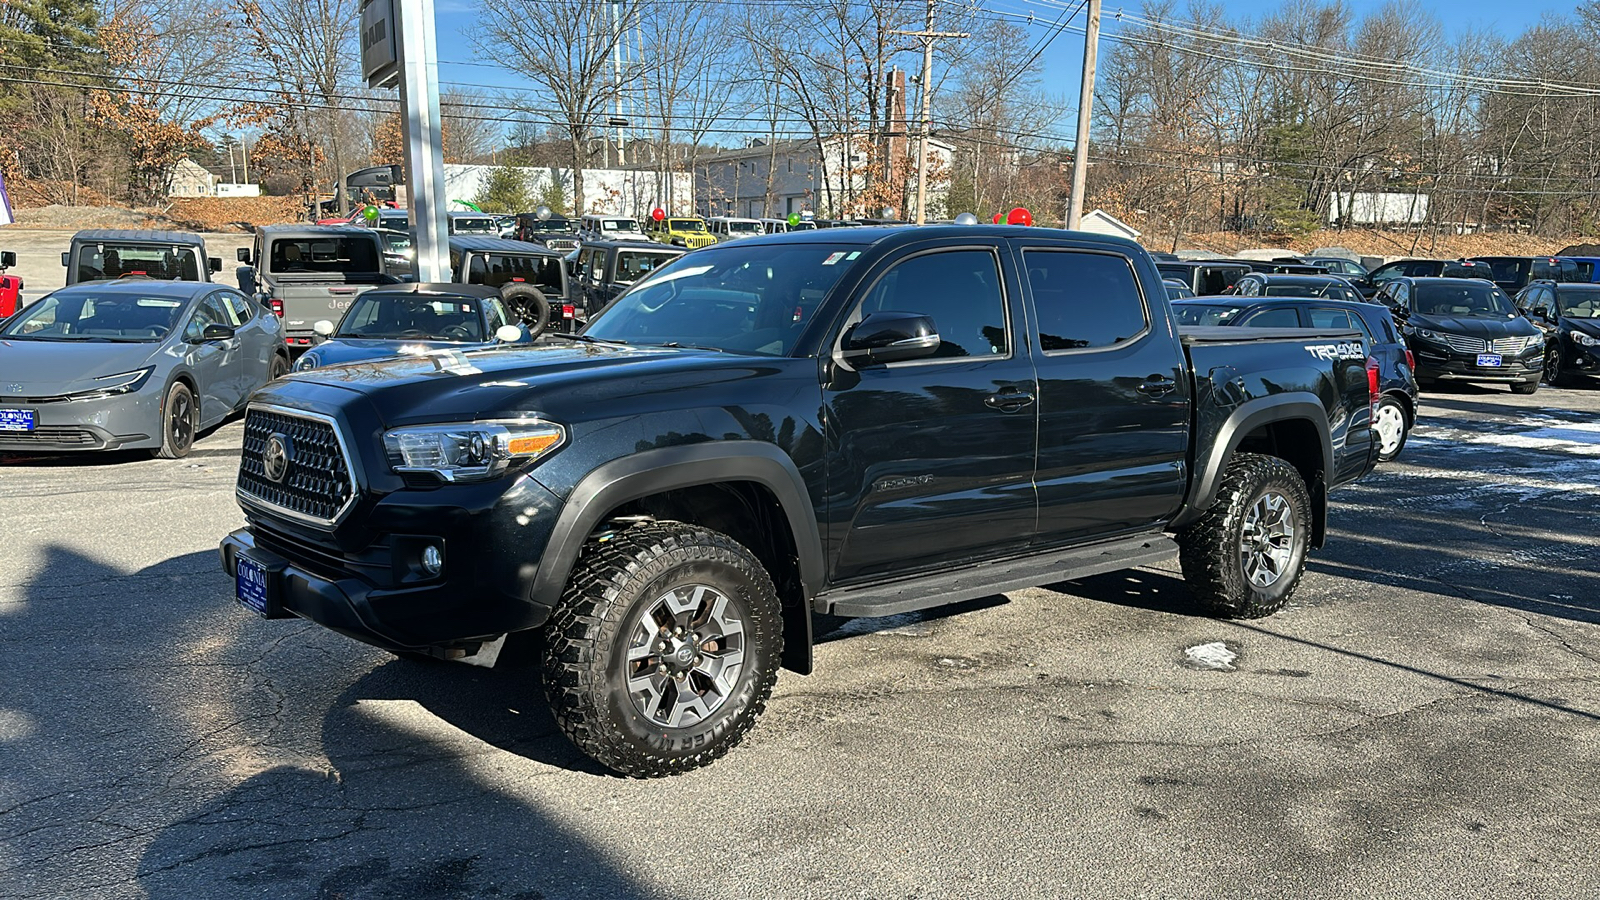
(370, 214)
(794, 218)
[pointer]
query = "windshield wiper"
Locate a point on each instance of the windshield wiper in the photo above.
(584, 338)
(682, 346)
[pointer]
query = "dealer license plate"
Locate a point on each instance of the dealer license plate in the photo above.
(1489, 360)
(17, 420)
(250, 585)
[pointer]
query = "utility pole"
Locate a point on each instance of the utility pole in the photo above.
(928, 36)
(1080, 147)
(616, 78)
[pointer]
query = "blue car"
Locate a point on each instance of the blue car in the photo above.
(412, 319)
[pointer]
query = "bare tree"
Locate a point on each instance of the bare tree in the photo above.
(566, 48)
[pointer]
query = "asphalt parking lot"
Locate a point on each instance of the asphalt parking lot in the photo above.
(1423, 721)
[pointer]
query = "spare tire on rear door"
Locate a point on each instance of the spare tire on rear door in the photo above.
(528, 304)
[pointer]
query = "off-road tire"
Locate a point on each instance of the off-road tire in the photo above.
(586, 646)
(527, 303)
(1209, 549)
(1525, 387)
(179, 401)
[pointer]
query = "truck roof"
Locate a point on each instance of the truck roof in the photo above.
(484, 244)
(315, 230)
(140, 235)
(891, 236)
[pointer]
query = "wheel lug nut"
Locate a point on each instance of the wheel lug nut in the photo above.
(661, 669)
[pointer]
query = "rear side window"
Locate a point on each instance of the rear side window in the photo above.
(1216, 279)
(1330, 318)
(1084, 300)
(1282, 317)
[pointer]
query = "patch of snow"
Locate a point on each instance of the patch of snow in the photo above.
(1214, 655)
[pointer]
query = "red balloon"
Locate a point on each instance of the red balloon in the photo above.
(1019, 216)
(997, 218)
(658, 214)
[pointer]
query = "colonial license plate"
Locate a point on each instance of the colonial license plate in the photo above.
(1489, 360)
(17, 420)
(251, 585)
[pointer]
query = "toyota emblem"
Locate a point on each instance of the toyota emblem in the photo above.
(13, 388)
(275, 458)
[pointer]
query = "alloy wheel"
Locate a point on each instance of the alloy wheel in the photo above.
(685, 651)
(1266, 543)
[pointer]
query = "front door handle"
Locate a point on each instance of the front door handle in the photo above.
(1157, 386)
(1008, 400)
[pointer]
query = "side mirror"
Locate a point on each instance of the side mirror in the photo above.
(7, 259)
(508, 334)
(66, 257)
(242, 254)
(216, 332)
(216, 263)
(323, 327)
(886, 337)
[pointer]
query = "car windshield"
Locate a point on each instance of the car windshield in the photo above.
(381, 315)
(473, 225)
(744, 227)
(1463, 297)
(345, 255)
(1579, 303)
(113, 260)
(620, 226)
(1205, 314)
(734, 297)
(539, 227)
(400, 223)
(500, 269)
(633, 265)
(686, 225)
(83, 316)
(803, 225)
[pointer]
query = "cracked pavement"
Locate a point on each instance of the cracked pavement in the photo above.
(1423, 721)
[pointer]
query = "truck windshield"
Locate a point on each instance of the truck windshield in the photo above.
(162, 261)
(741, 299)
(474, 225)
(535, 226)
(686, 225)
(744, 228)
(633, 265)
(382, 315)
(499, 269)
(82, 316)
(343, 255)
(1467, 297)
(621, 226)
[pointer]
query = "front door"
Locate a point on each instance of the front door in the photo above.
(218, 366)
(1113, 398)
(930, 461)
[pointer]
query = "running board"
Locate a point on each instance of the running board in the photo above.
(986, 579)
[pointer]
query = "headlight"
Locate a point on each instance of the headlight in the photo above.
(111, 385)
(307, 362)
(1534, 340)
(472, 451)
(1584, 340)
(1425, 334)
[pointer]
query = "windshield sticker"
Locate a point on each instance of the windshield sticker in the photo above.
(833, 258)
(852, 256)
(1337, 351)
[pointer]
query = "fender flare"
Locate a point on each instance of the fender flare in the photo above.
(1249, 416)
(668, 468)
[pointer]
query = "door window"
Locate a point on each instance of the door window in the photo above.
(1281, 317)
(212, 311)
(959, 290)
(1084, 300)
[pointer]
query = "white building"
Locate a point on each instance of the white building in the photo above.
(773, 180)
(1101, 222)
(623, 192)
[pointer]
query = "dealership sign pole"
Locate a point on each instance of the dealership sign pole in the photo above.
(398, 47)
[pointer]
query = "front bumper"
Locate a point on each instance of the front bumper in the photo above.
(1448, 365)
(121, 422)
(1580, 360)
(371, 586)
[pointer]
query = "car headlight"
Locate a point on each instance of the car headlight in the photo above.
(1533, 340)
(471, 451)
(307, 362)
(1427, 335)
(1584, 340)
(112, 385)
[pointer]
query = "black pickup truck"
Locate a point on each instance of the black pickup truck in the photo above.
(858, 422)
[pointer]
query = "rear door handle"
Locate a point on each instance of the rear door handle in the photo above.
(1008, 400)
(1158, 386)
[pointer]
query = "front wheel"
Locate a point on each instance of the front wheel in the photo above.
(1243, 558)
(180, 419)
(1553, 375)
(664, 649)
(1392, 425)
(1525, 387)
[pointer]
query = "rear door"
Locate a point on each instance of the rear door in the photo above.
(931, 461)
(1114, 397)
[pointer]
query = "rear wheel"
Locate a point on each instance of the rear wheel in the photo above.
(664, 649)
(1393, 426)
(529, 305)
(280, 368)
(1244, 557)
(180, 419)
(1553, 375)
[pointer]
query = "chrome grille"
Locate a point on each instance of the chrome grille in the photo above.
(1507, 345)
(561, 245)
(1463, 344)
(317, 487)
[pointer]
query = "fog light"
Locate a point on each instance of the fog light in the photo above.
(432, 560)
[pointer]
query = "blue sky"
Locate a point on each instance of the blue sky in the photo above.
(461, 65)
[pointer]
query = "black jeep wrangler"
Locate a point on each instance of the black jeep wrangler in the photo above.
(858, 422)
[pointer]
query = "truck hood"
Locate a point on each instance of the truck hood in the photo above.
(53, 368)
(1476, 326)
(561, 380)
